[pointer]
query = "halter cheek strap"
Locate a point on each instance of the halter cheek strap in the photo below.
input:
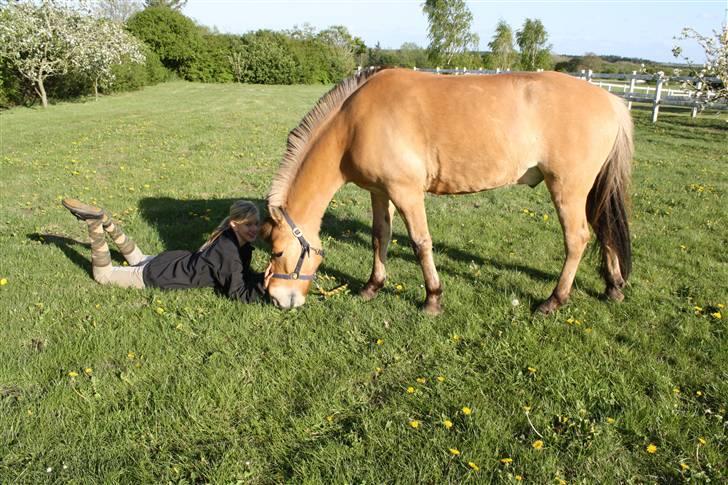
(305, 251)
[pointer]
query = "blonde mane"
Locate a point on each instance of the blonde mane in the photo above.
(299, 137)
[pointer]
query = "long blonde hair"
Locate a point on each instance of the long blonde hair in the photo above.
(241, 211)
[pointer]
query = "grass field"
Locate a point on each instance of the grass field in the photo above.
(100, 384)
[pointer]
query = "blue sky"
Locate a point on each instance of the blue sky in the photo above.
(627, 28)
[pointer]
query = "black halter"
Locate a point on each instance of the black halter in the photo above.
(305, 251)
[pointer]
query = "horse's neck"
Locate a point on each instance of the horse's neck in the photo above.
(318, 179)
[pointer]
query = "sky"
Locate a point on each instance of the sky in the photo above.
(628, 28)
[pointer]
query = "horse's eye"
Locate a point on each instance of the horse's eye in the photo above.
(276, 255)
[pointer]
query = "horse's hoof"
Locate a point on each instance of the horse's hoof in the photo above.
(613, 293)
(369, 292)
(433, 309)
(549, 306)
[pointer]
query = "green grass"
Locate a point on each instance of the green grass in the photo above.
(209, 390)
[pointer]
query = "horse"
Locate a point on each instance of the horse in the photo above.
(400, 134)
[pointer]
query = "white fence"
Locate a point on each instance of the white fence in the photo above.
(666, 91)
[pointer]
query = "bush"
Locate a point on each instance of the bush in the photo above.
(130, 75)
(266, 58)
(172, 36)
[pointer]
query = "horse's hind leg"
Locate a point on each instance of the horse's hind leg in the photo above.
(571, 206)
(411, 206)
(382, 212)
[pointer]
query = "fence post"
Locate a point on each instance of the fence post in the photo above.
(632, 81)
(414, 68)
(437, 70)
(697, 95)
(497, 70)
(589, 76)
(658, 95)
(582, 75)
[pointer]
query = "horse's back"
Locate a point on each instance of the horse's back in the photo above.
(456, 134)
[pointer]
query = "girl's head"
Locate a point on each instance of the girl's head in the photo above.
(243, 219)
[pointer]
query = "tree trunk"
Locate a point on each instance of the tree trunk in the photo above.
(96, 88)
(41, 92)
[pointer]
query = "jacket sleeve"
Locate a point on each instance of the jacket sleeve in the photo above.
(230, 276)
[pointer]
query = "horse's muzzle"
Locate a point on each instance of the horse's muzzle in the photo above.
(286, 298)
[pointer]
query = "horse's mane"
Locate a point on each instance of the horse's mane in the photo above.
(299, 137)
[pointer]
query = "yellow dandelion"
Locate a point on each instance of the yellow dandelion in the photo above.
(399, 287)
(721, 306)
(377, 370)
(454, 451)
(701, 440)
(537, 445)
(421, 380)
(545, 217)
(410, 390)
(699, 393)
(527, 409)
(456, 338)
(73, 374)
(160, 310)
(651, 448)
(610, 420)
(131, 356)
(561, 481)
(380, 341)
(473, 466)
(532, 370)
(88, 371)
(684, 467)
(467, 411)
(330, 419)
(506, 460)
(716, 315)
(414, 423)
(518, 478)
(440, 378)
(676, 390)
(447, 423)
(3, 281)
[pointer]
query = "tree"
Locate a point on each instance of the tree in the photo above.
(105, 44)
(535, 53)
(449, 30)
(173, 4)
(117, 10)
(502, 53)
(172, 36)
(40, 40)
(716, 63)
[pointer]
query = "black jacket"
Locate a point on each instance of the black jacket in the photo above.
(223, 265)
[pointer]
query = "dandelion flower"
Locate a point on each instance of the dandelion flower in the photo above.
(88, 371)
(684, 467)
(699, 393)
(701, 440)
(610, 420)
(454, 451)
(131, 356)
(506, 460)
(456, 338)
(537, 445)
(532, 370)
(473, 466)
(330, 419)
(651, 448)
(3, 281)
(518, 478)
(716, 315)
(377, 370)
(467, 411)
(414, 423)
(515, 302)
(440, 378)
(380, 341)
(73, 374)
(410, 390)
(160, 310)
(447, 423)
(421, 380)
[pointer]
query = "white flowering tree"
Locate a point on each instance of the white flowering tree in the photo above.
(104, 45)
(54, 37)
(39, 40)
(716, 63)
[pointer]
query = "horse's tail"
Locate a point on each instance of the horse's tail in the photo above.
(608, 201)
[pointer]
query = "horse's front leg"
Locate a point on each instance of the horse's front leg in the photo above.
(411, 206)
(382, 212)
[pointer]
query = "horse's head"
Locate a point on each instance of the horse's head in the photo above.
(294, 259)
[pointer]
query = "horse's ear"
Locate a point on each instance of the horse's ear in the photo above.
(275, 214)
(265, 229)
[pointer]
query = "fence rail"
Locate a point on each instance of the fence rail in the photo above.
(634, 90)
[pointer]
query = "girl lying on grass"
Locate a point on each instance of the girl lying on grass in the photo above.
(223, 262)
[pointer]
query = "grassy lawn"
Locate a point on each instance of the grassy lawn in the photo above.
(101, 384)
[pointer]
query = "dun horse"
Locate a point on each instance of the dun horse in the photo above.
(399, 134)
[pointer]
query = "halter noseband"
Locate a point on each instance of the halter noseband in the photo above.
(305, 251)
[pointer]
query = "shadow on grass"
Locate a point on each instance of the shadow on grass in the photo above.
(68, 246)
(185, 224)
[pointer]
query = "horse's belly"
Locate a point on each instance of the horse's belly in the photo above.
(466, 178)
